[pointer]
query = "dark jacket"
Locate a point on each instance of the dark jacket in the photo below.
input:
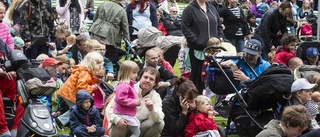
(5, 49)
(73, 53)
(174, 119)
(173, 27)
(153, 15)
(39, 22)
(80, 119)
(233, 23)
(271, 23)
(198, 27)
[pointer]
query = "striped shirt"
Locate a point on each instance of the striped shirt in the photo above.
(236, 12)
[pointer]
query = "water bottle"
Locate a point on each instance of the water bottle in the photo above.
(210, 74)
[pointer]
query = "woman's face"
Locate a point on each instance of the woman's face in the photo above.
(232, 3)
(158, 16)
(2, 12)
(304, 96)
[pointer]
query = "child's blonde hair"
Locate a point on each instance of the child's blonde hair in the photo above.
(93, 44)
(271, 56)
(71, 39)
(41, 57)
(93, 61)
(213, 41)
(126, 69)
(200, 100)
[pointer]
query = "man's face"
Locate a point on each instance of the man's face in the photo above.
(83, 47)
(153, 57)
(147, 81)
(286, 12)
(52, 70)
(251, 59)
(173, 13)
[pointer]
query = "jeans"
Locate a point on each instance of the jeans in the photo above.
(238, 42)
(90, 15)
(65, 117)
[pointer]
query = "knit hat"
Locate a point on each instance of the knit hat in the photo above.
(252, 47)
(18, 41)
(312, 52)
(300, 84)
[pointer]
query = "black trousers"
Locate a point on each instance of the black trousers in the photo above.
(196, 68)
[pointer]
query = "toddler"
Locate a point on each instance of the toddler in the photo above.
(184, 60)
(85, 118)
(312, 56)
(202, 119)
(287, 51)
(127, 99)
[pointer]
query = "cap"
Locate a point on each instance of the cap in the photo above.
(312, 51)
(50, 62)
(300, 84)
(252, 47)
(18, 41)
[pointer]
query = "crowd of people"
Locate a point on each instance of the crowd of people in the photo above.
(94, 98)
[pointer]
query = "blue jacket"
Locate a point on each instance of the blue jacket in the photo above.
(258, 68)
(80, 119)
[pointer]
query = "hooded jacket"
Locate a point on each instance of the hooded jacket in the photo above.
(38, 22)
(272, 129)
(199, 122)
(80, 79)
(199, 26)
(80, 119)
(284, 55)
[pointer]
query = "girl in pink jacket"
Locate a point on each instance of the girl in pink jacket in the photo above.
(4, 29)
(127, 99)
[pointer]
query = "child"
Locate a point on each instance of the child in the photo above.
(162, 61)
(5, 34)
(202, 119)
(245, 7)
(213, 42)
(271, 56)
(85, 118)
(253, 25)
(184, 60)
(82, 77)
(262, 7)
(18, 43)
(94, 45)
(126, 99)
(312, 56)
(287, 51)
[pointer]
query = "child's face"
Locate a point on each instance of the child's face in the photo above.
(252, 19)
(86, 104)
(205, 107)
(291, 46)
(313, 59)
(133, 75)
(2, 12)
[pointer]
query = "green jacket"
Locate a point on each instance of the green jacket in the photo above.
(110, 21)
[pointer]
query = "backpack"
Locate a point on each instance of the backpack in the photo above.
(269, 88)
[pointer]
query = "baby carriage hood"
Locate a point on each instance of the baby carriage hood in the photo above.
(147, 38)
(306, 71)
(165, 42)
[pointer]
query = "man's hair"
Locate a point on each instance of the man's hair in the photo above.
(285, 5)
(152, 71)
(295, 116)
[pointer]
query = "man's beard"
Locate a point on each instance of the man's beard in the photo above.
(173, 17)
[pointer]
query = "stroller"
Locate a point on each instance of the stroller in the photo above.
(152, 37)
(250, 106)
(301, 50)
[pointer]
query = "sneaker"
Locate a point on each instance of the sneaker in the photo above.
(58, 124)
(14, 132)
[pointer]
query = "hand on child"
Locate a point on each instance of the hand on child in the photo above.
(122, 124)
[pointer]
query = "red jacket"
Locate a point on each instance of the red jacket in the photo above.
(284, 55)
(199, 122)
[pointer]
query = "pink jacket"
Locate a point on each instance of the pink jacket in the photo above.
(5, 35)
(64, 13)
(125, 100)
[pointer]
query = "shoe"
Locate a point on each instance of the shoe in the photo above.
(58, 124)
